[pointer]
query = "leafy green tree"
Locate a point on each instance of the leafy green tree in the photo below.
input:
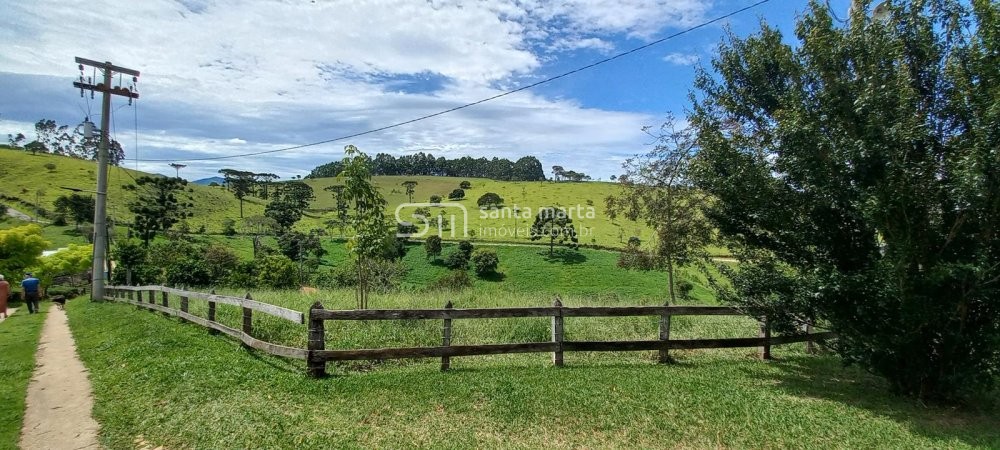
(435, 199)
(657, 189)
(74, 260)
(465, 184)
(410, 189)
(556, 225)
(456, 259)
(79, 208)
(288, 202)
(855, 175)
(457, 194)
(20, 248)
(241, 184)
(341, 208)
(158, 205)
(371, 228)
(485, 261)
(466, 247)
(490, 200)
(433, 246)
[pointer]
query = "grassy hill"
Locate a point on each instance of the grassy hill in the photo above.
(25, 177)
(583, 201)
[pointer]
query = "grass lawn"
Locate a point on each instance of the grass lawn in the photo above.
(176, 386)
(18, 342)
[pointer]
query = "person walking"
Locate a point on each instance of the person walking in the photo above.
(4, 295)
(30, 284)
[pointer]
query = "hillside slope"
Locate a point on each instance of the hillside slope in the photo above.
(24, 176)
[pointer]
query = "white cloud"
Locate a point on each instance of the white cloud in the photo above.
(682, 59)
(282, 73)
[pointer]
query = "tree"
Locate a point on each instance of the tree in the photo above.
(435, 199)
(485, 261)
(489, 200)
(457, 194)
(557, 172)
(74, 260)
(16, 141)
(556, 225)
(341, 208)
(433, 246)
(79, 208)
(854, 174)
(240, 183)
(158, 205)
(369, 223)
(657, 189)
(20, 248)
(410, 189)
(465, 184)
(289, 203)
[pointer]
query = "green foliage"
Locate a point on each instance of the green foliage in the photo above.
(300, 246)
(465, 247)
(457, 194)
(74, 260)
(368, 221)
(556, 225)
(489, 200)
(220, 261)
(435, 199)
(454, 280)
(50, 166)
(485, 261)
(20, 248)
(465, 184)
(229, 227)
(433, 246)
(158, 205)
(80, 208)
(188, 272)
(456, 259)
(855, 175)
(276, 272)
(410, 186)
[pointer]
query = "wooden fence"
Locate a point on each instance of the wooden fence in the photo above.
(317, 355)
(134, 295)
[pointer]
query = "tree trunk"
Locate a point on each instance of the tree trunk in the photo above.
(670, 279)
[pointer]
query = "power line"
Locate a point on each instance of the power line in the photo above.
(487, 99)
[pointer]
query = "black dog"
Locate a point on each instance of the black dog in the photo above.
(59, 300)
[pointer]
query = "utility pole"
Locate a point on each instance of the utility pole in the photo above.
(101, 204)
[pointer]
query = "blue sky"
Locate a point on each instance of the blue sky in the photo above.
(223, 77)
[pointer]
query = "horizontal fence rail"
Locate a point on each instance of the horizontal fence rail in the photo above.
(319, 355)
(133, 295)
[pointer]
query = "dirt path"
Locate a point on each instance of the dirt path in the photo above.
(59, 397)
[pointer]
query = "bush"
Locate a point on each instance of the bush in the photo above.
(59, 221)
(220, 261)
(633, 258)
(465, 184)
(276, 272)
(188, 272)
(457, 260)
(457, 194)
(229, 227)
(435, 199)
(433, 245)
(485, 261)
(466, 247)
(456, 280)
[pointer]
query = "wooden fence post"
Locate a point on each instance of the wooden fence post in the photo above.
(665, 337)
(247, 320)
(184, 303)
(446, 337)
(163, 300)
(557, 333)
(316, 367)
(765, 332)
(211, 314)
(810, 344)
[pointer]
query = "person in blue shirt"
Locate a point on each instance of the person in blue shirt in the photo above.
(30, 284)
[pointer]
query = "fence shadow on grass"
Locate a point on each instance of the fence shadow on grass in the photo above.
(827, 379)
